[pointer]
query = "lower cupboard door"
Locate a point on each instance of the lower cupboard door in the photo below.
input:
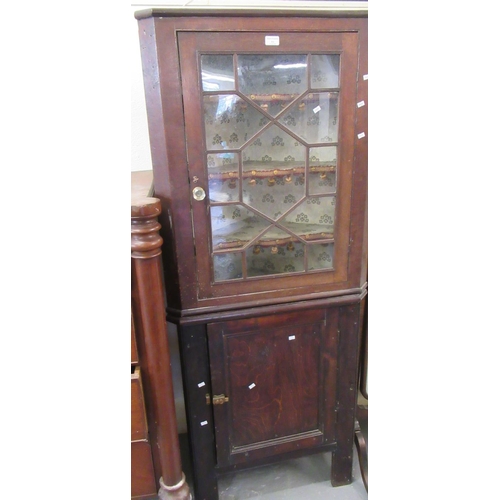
(273, 384)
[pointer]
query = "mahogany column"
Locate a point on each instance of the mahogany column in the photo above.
(151, 329)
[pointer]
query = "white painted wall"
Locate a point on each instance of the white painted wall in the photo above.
(140, 154)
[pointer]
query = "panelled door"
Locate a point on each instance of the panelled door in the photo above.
(270, 143)
(273, 384)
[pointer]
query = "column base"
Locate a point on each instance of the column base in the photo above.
(179, 491)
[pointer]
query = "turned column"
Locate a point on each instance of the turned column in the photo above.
(151, 329)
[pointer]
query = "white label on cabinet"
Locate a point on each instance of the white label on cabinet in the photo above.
(361, 103)
(291, 337)
(272, 40)
(317, 109)
(251, 386)
(360, 136)
(203, 423)
(201, 384)
(365, 77)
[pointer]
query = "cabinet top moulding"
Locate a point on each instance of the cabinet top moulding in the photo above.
(339, 9)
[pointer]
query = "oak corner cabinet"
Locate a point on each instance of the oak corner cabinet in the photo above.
(258, 134)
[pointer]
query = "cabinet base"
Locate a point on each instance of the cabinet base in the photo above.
(210, 353)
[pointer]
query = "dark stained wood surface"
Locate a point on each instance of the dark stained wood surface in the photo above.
(363, 349)
(259, 12)
(347, 393)
(197, 384)
(271, 370)
(164, 100)
(331, 374)
(336, 386)
(269, 307)
(359, 229)
(362, 411)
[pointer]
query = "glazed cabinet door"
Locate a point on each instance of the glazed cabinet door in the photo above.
(273, 384)
(270, 144)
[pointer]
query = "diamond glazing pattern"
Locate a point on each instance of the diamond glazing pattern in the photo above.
(271, 132)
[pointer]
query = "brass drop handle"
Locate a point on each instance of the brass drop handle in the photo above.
(199, 193)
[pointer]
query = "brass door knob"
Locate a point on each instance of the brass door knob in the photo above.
(199, 193)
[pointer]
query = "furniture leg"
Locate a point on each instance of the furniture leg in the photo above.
(196, 376)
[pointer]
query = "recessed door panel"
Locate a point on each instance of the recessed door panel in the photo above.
(270, 377)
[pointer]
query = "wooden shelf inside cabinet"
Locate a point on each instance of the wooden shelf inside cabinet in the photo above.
(266, 170)
(283, 98)
(239, 234)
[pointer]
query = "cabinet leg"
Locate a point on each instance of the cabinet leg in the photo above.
(346, 395)
(341, 466)
(195, 370)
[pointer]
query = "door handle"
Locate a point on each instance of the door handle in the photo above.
(217, 400)
(199, 193)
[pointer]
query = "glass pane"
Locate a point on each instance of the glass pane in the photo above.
(256, 149)
(325, 71)
(272, 81)
(276, 252)
(223, 177)
(230, 121)
(314, 117)
(320, 256)
(217, 72)
(273, 172)
(323, 170)
(313, 219)
(227, 266)
(233, 226)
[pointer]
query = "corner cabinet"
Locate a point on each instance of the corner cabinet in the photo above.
(258, 132)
